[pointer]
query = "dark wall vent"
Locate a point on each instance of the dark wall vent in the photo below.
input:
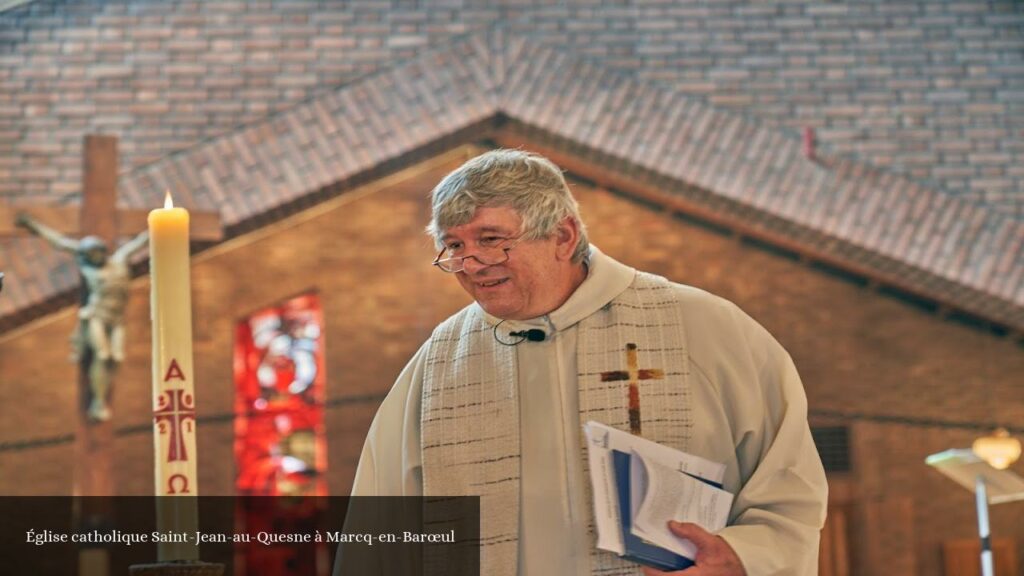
(833, 444)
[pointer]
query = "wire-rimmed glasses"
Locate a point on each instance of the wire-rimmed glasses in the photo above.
(490, 252)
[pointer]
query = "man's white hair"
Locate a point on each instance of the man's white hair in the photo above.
(528, 183)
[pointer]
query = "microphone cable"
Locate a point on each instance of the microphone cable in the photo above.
(533, 335)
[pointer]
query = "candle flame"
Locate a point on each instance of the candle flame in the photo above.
(168, 203)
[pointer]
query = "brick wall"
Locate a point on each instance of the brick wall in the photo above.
(859, 352)
(931, 89)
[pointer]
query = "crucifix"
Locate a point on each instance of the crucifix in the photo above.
(633, 374)
(98, 339)
(86, 231)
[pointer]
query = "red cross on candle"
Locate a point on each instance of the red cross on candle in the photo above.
(176, 410)
(633, 374)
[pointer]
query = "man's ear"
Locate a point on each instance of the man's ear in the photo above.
(567, 235)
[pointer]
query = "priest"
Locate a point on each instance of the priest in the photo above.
(493, 403)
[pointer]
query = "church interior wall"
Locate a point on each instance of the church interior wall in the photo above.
(898, 372)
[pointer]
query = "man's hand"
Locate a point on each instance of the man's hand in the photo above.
(714, 555)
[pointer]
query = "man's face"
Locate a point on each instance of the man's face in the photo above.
(524, 286)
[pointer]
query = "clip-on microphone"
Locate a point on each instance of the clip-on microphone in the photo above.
(533, 334)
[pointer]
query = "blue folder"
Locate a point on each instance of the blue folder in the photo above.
(637, 549)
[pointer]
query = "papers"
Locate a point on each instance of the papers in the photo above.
(660, 494)
(663, 484)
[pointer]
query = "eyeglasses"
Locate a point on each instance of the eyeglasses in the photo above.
(491, 250)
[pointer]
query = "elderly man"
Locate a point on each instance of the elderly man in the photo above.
(493, 403)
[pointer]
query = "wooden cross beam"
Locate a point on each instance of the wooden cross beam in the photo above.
(94, 441)
(204, 226)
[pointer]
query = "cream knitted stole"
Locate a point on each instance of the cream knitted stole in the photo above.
(470, 414)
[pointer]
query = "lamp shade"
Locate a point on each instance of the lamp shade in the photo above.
(999, 449)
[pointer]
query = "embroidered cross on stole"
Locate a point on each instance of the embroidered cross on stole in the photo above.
(633, 374)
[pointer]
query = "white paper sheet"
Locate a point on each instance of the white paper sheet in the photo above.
(602, 481)
(664, 494)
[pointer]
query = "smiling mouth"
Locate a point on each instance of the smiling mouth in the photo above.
(492, 283)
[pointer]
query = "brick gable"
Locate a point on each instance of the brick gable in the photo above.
(734, 168)
(928, 89)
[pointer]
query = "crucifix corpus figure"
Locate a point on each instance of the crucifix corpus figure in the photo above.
(99, 337)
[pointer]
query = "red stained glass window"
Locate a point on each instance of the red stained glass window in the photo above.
(279, 401)
(279, 435)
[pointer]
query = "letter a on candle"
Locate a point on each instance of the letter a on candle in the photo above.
(174, 371)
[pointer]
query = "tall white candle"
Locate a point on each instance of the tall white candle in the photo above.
(174, 425)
